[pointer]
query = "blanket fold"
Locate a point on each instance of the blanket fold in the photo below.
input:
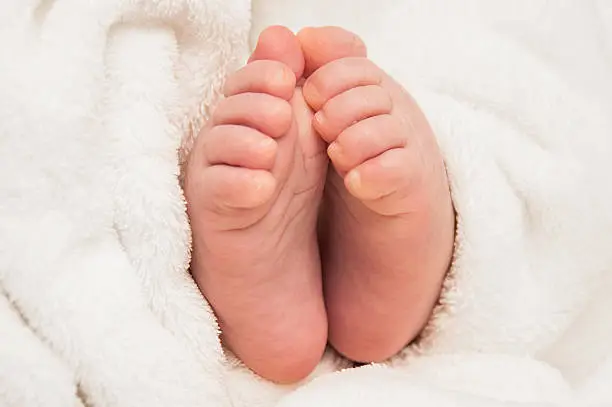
(97, 307)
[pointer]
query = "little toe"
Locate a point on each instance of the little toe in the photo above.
(366, 140)
(339, 76)
(270, 115)
(271, 77)
(351, 107)
(239, 146)
(383, 182)
(230, 188)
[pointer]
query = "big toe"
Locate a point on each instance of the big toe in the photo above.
(322, 45)
(278, 43)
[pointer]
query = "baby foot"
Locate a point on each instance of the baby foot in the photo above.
(388, 222)
(254, 184)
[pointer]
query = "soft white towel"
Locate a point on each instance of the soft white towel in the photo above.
(96, 96)
(97, 306)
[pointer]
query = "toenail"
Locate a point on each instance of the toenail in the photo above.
(334, 150)
(267, 142)
(281, 77)
(353, 180)
(319, 117)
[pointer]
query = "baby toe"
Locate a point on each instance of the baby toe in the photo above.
(366, 140)
(278, 43)
(322, 45)
(264, 76)
(268, 114)
(351, 107)
(384, 182)
(338, 77)
(227, 189)
(239, 146)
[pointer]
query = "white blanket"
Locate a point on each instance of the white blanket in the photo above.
(96, 304)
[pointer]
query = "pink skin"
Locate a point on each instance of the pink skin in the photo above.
(254, 183)
(388, 221)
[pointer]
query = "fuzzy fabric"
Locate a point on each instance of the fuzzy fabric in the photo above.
(97, 307)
